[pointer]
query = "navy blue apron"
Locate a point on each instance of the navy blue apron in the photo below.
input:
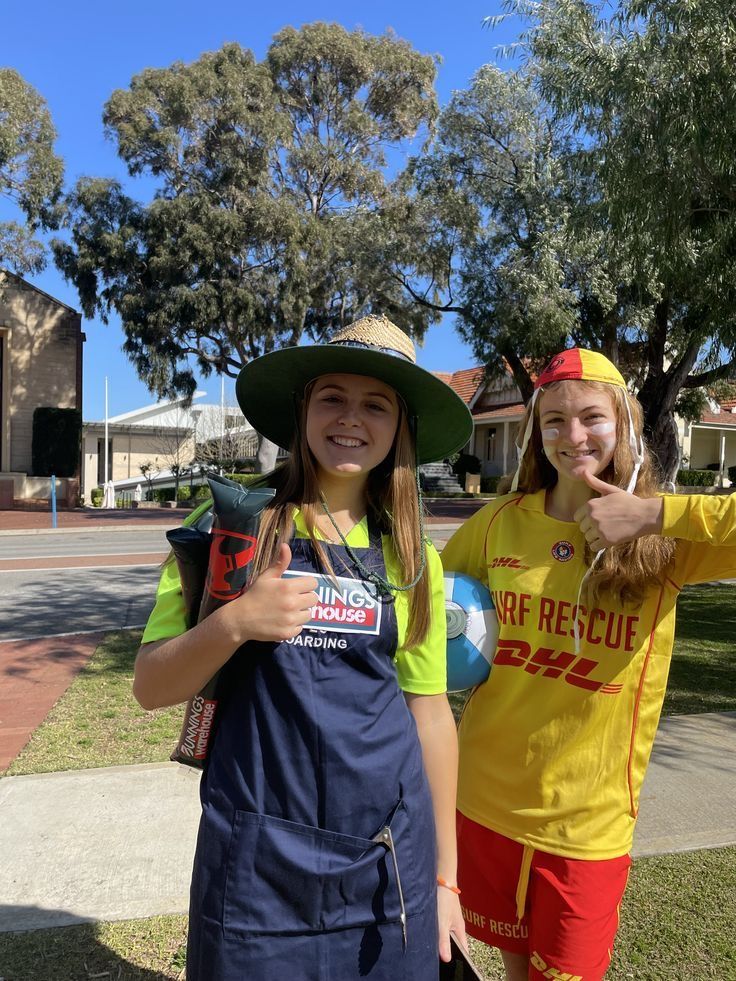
(316, 851)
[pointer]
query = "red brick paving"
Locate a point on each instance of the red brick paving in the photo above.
(91, 518)
(34, 675)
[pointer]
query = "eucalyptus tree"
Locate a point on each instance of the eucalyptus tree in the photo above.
(31, 174)
(262, 229)
(650, 95)
(503, 228)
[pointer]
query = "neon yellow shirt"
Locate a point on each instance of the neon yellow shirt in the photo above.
(420, 671)
(554, 746)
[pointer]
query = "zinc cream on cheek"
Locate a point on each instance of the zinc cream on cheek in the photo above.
(549, 436)
(606, 432)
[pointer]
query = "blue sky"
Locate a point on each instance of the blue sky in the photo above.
(77, 53)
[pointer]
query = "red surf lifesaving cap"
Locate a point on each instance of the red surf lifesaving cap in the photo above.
(578, 364)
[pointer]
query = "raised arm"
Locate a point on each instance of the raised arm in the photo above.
(272, 609)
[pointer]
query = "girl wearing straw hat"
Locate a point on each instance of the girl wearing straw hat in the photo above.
(327, 843)
(554, 746)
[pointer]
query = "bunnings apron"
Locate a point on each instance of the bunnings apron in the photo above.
(316, 851)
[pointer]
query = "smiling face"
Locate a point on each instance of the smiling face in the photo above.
(578, 426)
(351, 424)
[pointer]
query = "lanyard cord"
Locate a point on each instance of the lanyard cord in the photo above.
(383, 584)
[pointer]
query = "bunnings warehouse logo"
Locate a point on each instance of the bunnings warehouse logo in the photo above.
(343, 604)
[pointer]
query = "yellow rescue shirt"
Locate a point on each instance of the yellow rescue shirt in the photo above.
(554, 746)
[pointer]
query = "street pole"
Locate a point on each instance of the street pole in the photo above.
(222, 419)
(106, 441)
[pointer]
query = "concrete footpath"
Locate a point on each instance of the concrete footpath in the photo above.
(117, 843)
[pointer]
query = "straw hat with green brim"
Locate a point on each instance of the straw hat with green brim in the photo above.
(372, 346)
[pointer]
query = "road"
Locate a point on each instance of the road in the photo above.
(80, 581)
(148, 542)
(54, 584)
(60, 601)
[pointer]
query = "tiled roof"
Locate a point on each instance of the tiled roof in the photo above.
(464, 382)
(726, 420)
(504, 412)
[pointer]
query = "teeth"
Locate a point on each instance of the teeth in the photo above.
(346, 441)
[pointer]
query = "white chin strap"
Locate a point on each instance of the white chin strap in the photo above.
(637, 450)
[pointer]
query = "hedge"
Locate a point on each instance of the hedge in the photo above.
(489, 485)
(244, 478)
(56, 442)
(465, 463)
(696, 478)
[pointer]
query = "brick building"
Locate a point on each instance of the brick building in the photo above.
(40, 365)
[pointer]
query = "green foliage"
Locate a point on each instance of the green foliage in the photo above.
(266, 221)
(245, 478)
(96, 495)
(164, 494)
(732, 474)
(489, 485)
(30, 172)
(589, 197)
(57, 437)
(464, 464)
(696, 478)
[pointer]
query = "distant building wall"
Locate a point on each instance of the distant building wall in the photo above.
(41, 363)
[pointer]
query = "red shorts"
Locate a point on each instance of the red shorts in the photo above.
(570, 905)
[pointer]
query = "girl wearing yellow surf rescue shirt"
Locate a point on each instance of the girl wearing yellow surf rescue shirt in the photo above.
(586, 561)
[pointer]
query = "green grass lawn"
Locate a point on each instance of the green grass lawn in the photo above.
(97, 722)
(679, 914)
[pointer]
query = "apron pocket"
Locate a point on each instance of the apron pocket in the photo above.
(288, 878)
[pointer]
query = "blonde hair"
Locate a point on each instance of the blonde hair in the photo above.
(392, 503)
(624, 572)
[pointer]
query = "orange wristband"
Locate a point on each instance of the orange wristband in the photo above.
(442, 882)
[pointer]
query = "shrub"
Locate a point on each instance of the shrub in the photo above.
(185, 492)
(696, 478)
(465, 463)
(244, 478)
(163, 494)
(732, 474)
(489, 485)
(56, 441)
(96, 495)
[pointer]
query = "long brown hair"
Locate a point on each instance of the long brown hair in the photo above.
(624, 572)
(392, 503)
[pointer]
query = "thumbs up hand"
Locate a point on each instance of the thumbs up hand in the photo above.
(272, 608)
(616, 517)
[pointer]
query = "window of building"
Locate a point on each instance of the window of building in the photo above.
(491, 445)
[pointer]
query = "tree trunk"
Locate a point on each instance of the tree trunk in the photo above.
(265, 455)
(664, 444)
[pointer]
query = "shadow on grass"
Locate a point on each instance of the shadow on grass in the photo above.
(707, 612)
(75, 952)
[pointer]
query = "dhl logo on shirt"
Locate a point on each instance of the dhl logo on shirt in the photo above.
(551, 663)
(345, 605)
